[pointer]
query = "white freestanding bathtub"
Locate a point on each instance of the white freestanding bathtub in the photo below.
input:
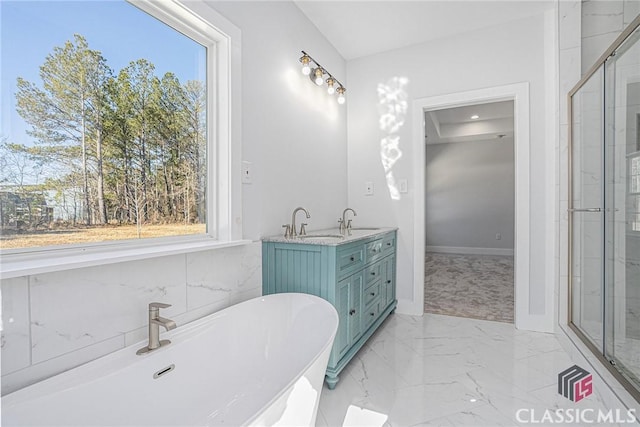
(261, 362)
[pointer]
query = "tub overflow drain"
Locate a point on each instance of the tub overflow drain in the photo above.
(163, 371)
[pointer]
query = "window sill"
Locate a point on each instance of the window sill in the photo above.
(17, 265)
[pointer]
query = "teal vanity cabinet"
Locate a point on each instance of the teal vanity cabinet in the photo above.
(356, 274)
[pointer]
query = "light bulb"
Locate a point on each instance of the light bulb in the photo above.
(318, 73)
(306, 68)
(341, 97)
(330, 89)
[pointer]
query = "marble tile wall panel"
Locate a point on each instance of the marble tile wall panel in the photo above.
(223, 274)
(569, 21)
(601, 23)
(16, 339)
(64, 319)
(601, 17)
(76, 308)
(569, 59)
(631, 10)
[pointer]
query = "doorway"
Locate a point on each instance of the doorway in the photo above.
(470, 211)
(519, 94)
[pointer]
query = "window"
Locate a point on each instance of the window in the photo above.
(157, 73)
(110, 124)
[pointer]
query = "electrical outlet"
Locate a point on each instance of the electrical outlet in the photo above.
(247, 175)
(368, 188)
(498, 236)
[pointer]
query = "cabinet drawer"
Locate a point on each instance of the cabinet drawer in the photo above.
(371, 293)
(350, 260)
(388, 244)
(371, 314)
(373, 273)
(373, 250)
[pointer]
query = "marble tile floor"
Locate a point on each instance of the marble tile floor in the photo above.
(476, 286)
(439, 370)
(627, 355)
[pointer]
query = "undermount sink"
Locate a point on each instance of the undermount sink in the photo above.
(365, 228)
(321, 237)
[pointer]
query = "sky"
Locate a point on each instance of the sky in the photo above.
(29, 30)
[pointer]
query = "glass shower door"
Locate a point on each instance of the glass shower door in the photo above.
(622, 284)
(586, 210)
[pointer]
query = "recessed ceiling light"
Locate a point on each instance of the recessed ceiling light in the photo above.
(475, 117)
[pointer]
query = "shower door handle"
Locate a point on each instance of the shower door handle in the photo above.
(585, 210)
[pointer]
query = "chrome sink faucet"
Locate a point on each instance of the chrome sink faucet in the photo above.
(155, 321)
(344, 224)
(290, 230)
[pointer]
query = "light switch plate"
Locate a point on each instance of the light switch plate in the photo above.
(403, 185)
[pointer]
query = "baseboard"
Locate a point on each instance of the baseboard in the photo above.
(409, 307)
(469, 251)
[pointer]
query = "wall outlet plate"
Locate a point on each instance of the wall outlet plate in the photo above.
(247, 175)
(368, 188)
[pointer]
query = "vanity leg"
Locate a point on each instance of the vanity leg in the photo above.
(332, 381)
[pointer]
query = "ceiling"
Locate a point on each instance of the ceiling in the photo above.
(361, 28)
(495, 121)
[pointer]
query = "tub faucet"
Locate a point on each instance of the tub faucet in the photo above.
(155, 321)
(344, 224)
(292, 230)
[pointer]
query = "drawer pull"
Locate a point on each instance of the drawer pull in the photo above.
(352, 312)
(373, 273)
(372, 314)
(373, 294)
(352, 258)
(388, 281)
(388, 243)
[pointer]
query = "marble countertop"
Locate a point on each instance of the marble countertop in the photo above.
(332, 236)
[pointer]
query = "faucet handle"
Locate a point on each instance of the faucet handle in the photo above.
(158, 305)
(287, 231)
(303, 230)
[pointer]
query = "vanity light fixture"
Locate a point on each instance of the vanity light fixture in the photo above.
(317, 75)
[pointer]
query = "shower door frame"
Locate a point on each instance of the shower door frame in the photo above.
(599, 353)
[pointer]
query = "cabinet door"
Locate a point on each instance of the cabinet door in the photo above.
(389, 280)
(342, 342)
(356, 307)
(349, 307)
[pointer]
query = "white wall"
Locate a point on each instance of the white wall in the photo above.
(295, 136)
(470, 196)
(293, 132)
(501, 55)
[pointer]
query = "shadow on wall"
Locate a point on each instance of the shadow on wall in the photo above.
(392, 106)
